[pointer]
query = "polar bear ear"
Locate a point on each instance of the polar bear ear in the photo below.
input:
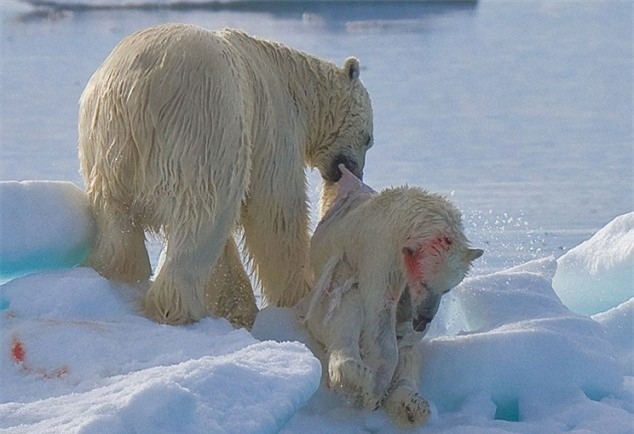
(473, 254)
(352, 68)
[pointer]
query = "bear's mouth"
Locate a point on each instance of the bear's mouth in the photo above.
(333, 174)
(426, 311)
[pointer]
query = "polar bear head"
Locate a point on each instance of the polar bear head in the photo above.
(411, 233)
(435, 253)
(347, 129)
(434, 265)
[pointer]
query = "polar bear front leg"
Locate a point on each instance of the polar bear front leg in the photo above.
(229, 293)
(275, 222)
(407, 407)
(404, 404)
(346, 369)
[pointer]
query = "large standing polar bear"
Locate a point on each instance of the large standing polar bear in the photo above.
(194, 133)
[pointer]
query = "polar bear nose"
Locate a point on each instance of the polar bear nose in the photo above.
(334, 174)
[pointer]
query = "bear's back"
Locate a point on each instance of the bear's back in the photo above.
(168, 48)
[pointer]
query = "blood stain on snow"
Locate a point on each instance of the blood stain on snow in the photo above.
(18, 355)
(17, 351)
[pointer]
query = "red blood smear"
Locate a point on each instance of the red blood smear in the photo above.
(413, 264)
(17, 351)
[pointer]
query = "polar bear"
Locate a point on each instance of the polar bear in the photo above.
(197, 134)
(382, 262)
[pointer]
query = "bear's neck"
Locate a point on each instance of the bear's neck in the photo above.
(315, 88)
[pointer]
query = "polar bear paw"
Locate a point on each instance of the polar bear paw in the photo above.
(355, 380)
(164, 303)
(407, 407)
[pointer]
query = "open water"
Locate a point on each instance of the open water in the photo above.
(521, 112)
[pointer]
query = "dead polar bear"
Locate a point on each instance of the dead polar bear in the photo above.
(194, 133)
(383, 261)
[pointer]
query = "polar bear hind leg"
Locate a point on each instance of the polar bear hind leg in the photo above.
(119, 251)
(229, 292)
(177, 295)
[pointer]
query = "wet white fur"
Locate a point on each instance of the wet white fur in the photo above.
(193, 134)
(357, 256)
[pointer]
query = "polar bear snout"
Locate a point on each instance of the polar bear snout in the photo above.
(334, 174)
(424, 313)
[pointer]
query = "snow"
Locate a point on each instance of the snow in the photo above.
(599, 273)
(618, 324)
(503, 354)
(520, 347)
(26, 209)
(209, 394)
(77, 357)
